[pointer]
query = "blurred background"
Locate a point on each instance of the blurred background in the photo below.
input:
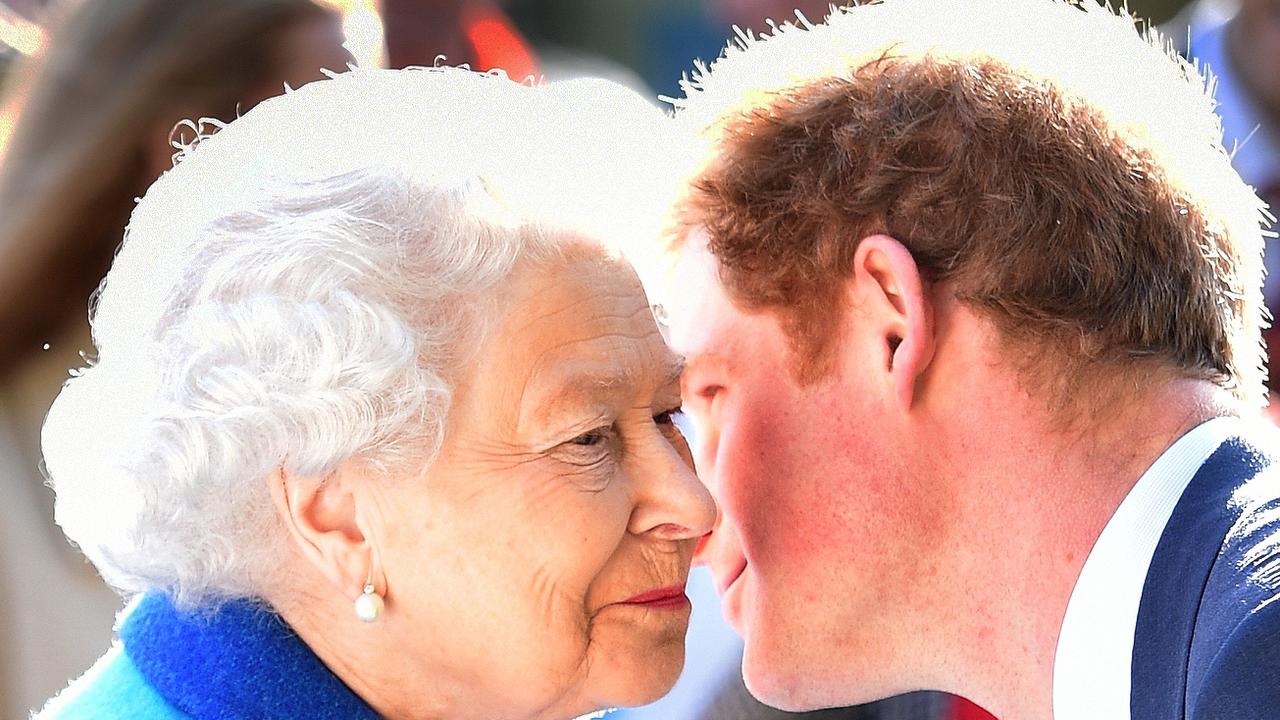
(91, 96)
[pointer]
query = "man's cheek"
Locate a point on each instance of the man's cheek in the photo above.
(746, 469)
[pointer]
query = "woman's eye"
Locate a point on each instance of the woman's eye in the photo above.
(667, 417)
(590, 456)
(593, 444)
(593, 450)
(589, 439)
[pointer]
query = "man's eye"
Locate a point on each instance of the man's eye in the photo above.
(709, 392)
(667, 417)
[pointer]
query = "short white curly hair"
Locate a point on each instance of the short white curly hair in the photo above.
(298, 289)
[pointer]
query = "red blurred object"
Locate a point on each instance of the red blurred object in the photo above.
(476, 33)
(965, 710)
(1272, 338)
(497, 43)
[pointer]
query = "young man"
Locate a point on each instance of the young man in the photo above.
(969, 295)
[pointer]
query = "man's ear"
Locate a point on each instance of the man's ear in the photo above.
(322, 515)
(891, 300)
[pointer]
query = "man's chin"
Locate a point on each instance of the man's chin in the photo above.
(773, 668)
(775, 683)
(783, 679)
(788, 676)
(770, 669)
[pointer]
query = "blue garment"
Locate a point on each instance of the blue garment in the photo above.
(240, 661)
(1207, 641)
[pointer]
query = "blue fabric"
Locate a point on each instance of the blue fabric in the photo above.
(1207, 641)
(112, 690)
(236, 663)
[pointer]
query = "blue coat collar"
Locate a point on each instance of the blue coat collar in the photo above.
(241, 661)
(1186, 595)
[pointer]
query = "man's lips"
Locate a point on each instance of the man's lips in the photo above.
(665, 597)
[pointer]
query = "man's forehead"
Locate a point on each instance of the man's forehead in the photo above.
(696, 307)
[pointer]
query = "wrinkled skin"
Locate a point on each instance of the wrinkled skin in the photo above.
(562, 490)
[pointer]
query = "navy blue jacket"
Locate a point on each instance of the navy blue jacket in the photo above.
(1207, 641)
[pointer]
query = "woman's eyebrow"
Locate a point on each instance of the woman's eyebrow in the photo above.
(590, 376)
(578, 384)
(572, 389)
(676, 366)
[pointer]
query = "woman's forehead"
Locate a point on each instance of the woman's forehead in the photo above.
(573, 298)
(584, 311)
(575, 329)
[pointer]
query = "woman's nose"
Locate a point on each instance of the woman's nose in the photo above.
(671, 502)
(703, 439)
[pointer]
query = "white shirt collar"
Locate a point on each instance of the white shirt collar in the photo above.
(1093, 665)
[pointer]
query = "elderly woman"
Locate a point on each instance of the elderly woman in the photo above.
(379, 424)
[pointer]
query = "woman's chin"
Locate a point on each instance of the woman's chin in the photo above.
(645, 681)
(625, 685)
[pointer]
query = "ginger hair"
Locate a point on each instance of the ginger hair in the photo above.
(1065, 222)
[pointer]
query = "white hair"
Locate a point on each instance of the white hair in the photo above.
(1150, 99)
(297, 290)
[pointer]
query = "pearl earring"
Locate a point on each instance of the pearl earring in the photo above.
(369, 605)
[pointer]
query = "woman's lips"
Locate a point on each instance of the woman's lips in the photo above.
(661, 598)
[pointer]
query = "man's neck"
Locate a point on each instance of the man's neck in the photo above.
(1044, 495)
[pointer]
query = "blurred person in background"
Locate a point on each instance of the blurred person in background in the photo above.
(756, 14)
(1238, 41)
(94, 114)
(685, 32)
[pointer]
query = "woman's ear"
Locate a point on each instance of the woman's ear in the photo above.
(890, 297)
(322, 515)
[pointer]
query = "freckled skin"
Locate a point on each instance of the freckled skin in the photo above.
(812, 498)
(561, 490)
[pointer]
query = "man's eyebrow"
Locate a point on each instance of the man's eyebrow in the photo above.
(697, 361)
